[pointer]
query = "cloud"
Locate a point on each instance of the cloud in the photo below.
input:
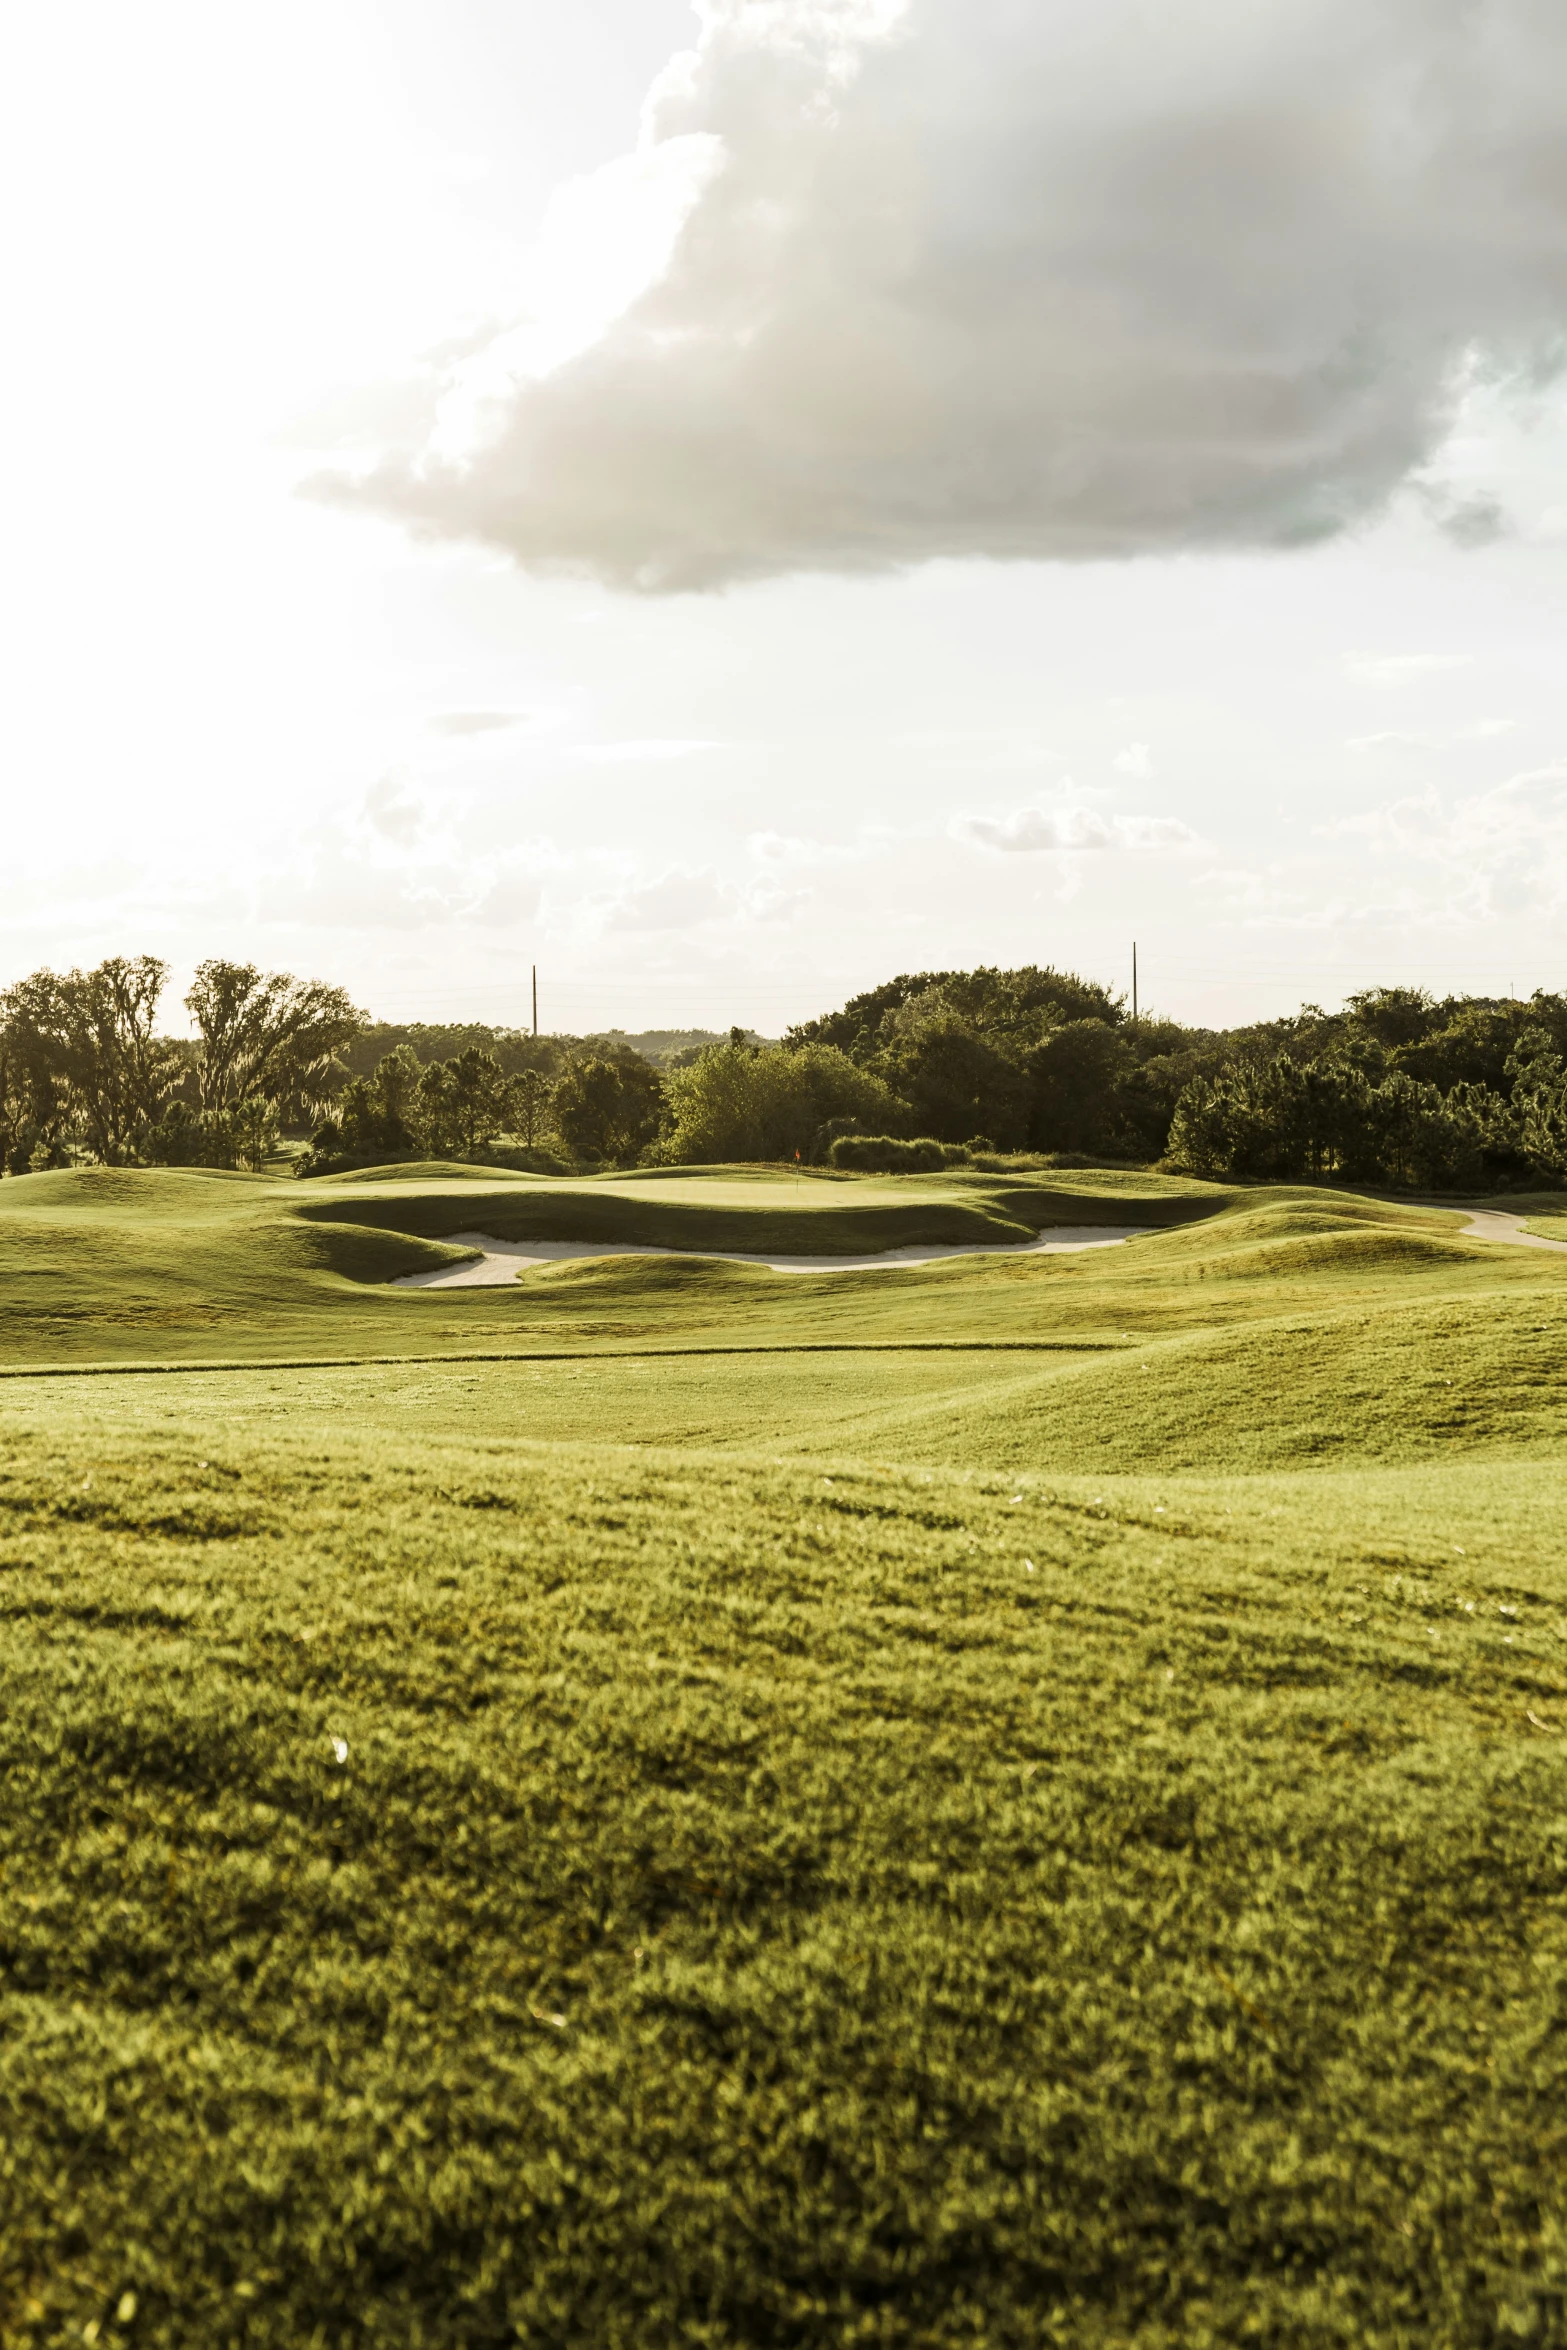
(1024, 278)
(475, 721)
(789, 849)
(1134, 760)
(1504, 851)
(389, 866)
(1474, 521)
(394, 813)
(675, 901)
(685, 900)
(340, 892)
(1401, 668)
(654, 751)
(1031, 830)
(1391, 744)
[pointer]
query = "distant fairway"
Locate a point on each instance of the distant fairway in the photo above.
(1007, 1801)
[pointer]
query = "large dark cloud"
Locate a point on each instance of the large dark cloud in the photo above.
(1043, 278)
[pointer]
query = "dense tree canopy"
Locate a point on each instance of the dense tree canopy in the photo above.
(608, 1109)
(84, 1059)
(744, 1101)
(1398, 1087)
(270, 1035)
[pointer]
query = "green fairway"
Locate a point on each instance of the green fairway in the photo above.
(1008, 1801)
(105, 1264)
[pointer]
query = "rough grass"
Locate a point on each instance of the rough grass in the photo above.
(773, 1906)
(785, 1882)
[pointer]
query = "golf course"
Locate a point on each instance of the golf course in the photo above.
(1016, 1798)
(783, 1176)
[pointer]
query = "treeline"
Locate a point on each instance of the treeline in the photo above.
(85, 1075)
(1397, 1088)
(515, 1049)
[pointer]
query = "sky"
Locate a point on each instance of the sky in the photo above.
(727, 504)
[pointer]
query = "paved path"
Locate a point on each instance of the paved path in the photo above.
(503, 1260)
(1498, 1224)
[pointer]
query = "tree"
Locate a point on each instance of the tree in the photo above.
(34, 1100)
(459, 1106)
(1074, 1076)
(955, 1082)
(273, 1035)
(740, 1101)
(253, 1126)
(1421, 1139)
(1202, 1130)
(532, 1098)
(374, 1114)
(88, 1058)
(1534, 1121)
(450, 1109)
(1015, 1006)
(1395, 1016)
(608, 1109)
(1321, 1118)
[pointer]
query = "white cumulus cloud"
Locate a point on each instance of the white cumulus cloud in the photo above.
(1065, 829)
(1503, 852)
(1020, 278)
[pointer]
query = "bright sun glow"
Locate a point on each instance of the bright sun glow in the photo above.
(254, 246)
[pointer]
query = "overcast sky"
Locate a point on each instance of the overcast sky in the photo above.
(730, 503)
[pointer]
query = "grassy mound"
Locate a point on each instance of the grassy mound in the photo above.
(473, 1896)
(1019, 1801)
(1390, 1383)
(423, 1171)
(783, 1217)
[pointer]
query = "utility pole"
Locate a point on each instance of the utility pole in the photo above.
(1134, 979)
(535, 999)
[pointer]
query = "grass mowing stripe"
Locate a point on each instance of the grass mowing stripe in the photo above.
(847, 1346)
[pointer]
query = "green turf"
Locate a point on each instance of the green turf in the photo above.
(1000, 1802)
(125, 1265)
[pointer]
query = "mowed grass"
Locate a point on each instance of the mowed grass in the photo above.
(1379, 1383)
(1007, 1802)
(487, 1894)
(1285, 1328)
(133, 1265)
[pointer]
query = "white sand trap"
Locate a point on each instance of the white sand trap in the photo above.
(1498, 1224)
(504, 1260)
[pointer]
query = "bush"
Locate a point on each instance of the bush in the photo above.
(885, 1154)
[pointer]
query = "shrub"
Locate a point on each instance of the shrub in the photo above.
(886, 1154)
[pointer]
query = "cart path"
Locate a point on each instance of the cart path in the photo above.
(503, 1260)
(1500, 1224)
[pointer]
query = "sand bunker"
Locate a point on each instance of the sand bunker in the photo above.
(503, 1260)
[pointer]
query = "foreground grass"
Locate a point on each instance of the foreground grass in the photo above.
(906, 1847)
(477, 1894)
